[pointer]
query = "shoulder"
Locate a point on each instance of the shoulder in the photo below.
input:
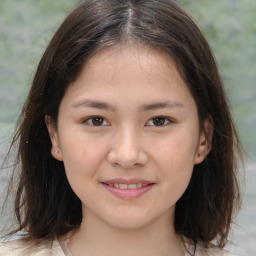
(212, 251)
(42, 247)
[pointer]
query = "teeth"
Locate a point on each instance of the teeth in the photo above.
(123, 186)
(127, 186)
(139, 185)
(132, 186)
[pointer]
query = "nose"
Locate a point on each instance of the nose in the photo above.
(127, 150)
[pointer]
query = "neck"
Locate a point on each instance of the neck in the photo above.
(95, 238)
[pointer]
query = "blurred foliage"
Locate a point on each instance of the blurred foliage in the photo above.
(230, 27)
(26, 27)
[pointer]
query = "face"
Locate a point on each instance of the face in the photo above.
(128, 134)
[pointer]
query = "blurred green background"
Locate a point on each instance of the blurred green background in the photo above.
(230, 27)
(26, 27)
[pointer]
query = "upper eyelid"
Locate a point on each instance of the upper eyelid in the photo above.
(85, 120)
(171, 120)
(162, 116)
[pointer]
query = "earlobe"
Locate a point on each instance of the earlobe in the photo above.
(205, 142)
(51, 127)
(56, 153)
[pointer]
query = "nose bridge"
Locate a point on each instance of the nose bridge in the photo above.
(127, 147)
(127, 142)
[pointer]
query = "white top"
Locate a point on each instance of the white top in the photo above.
(64, 246)
(53, 247)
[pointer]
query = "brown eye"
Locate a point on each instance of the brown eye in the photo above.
(96, 121)
(159, 121)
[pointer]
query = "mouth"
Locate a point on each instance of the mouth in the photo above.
(128, 189)
(126, 186)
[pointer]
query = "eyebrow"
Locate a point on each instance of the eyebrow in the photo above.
(94, 104)
(144, 107)
(160, 105)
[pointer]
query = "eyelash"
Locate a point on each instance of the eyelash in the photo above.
(167, 121)
(89, 121)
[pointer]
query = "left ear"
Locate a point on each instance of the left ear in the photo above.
(205, 142)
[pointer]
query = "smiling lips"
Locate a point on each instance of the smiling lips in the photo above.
(127, 189)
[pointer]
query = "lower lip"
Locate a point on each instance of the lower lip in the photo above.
(128, 193)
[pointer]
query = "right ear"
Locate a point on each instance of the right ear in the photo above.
(51, 127)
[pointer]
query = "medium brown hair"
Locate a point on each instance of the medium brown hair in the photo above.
(45, 204)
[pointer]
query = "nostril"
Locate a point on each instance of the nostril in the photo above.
(127, 159)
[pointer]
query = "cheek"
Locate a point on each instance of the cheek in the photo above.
(176, 149)
(83, 154)
(175, 157)
(82, 160)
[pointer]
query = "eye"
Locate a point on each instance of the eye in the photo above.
(96, 121)
(159, 121)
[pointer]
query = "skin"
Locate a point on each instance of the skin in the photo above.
(136, 85)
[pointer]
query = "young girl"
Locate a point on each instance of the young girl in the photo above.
(126, 142)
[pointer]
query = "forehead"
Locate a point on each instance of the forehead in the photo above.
(137, 58)
(133, 69)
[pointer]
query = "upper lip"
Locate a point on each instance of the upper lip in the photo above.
(127, 181)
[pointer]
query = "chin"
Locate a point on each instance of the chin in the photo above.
(130, 224)
(130, 221)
